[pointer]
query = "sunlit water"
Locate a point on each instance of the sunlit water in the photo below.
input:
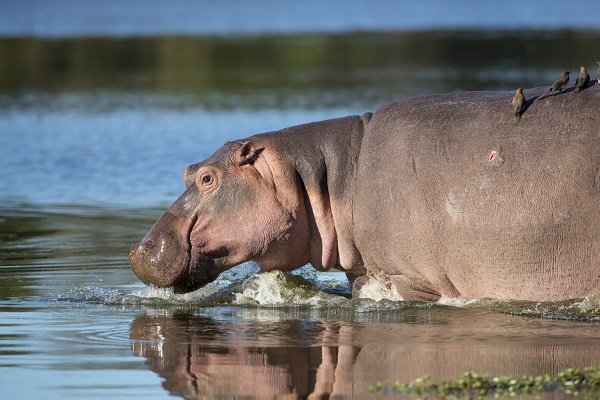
(95, 134)
(73, 315)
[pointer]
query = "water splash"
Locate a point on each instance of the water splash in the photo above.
(243, 287)
(278, 288)
(456, 302)
(218, 292)
(95, 295)
(376, 290)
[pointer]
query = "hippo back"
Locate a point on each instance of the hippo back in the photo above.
(453, 197)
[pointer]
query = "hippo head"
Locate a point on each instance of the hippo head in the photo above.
(243, 203)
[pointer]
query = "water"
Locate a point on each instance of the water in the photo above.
(60, 18)
(101, 108)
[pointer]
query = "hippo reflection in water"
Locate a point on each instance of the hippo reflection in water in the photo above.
(441, 195)
(202, 358)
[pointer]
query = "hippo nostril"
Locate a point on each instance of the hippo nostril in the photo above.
(148, 244)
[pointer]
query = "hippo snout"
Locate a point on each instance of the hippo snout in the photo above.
(151, 265)
(162, 258)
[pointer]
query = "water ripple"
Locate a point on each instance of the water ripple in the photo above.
(277, 290)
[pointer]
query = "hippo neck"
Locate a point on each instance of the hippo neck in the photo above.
(325, 157)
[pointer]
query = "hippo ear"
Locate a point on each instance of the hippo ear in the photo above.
(248, 153)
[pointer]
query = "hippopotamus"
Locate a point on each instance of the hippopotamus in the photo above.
(442, 195)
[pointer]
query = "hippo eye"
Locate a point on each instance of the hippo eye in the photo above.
(207, 179)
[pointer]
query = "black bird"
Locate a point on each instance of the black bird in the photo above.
(559, 86)
(582, 80)
(518, 104)
(598, 72)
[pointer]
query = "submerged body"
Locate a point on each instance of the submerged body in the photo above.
(440, 195)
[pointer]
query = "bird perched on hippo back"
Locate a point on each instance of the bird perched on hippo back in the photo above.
(598, 72)
(518, 104)
(559, 86)
(582, 80)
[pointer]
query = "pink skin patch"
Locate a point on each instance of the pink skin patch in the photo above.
(492, 156)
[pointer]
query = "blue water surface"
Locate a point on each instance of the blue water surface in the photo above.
(63, 18)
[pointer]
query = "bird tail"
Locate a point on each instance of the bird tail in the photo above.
(545, 94)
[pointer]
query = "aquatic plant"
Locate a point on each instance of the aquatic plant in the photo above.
(571, 381)
(585, 309)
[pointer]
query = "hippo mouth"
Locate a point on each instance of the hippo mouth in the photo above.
(197, 274)
(192, 281)
(201, 269)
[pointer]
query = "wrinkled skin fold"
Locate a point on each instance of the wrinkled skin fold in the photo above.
(440, 195)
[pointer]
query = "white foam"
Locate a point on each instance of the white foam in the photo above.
(456, 302)
(278, 288)
(152, 292)
(239, 273)
(376, 290)
(590, 302)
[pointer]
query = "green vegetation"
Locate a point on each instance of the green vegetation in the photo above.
(586, 309)
(295, 62)
(572, 381)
